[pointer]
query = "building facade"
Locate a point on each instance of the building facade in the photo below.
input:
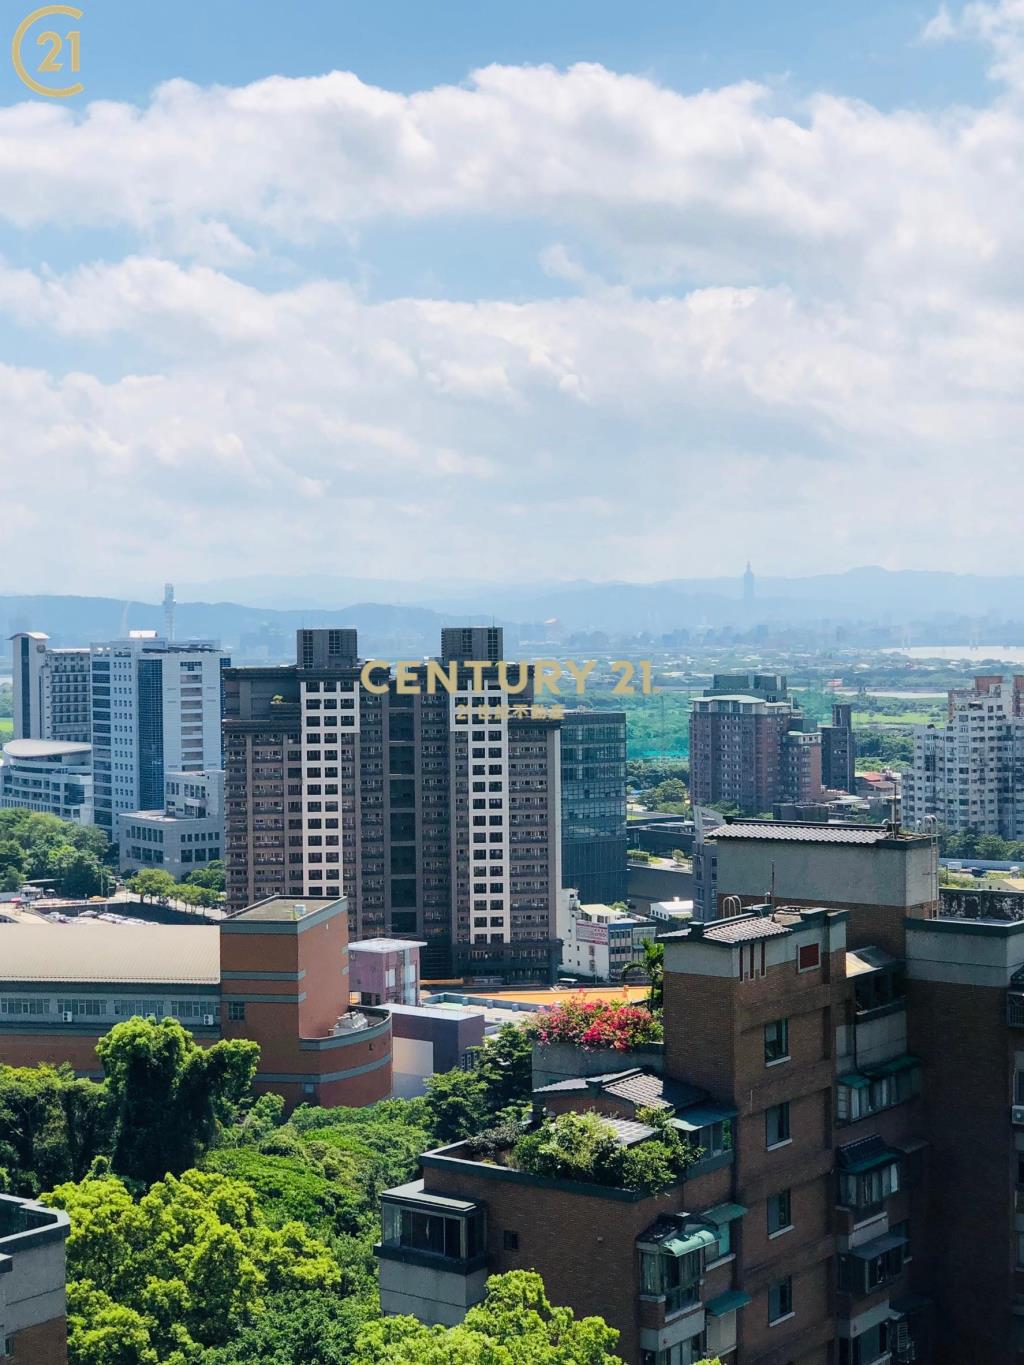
(50, 690)
(969, 775)
(187, 833)
(385, 971)
(839, 751)
(156, 708)
(276, 972)
(598, 942)
(751, 752)
(593, 756)
(52, 777)
(431, 805)
(33, 1294)
(834, 1214)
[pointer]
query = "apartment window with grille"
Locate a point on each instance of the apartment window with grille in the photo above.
(236, 1011)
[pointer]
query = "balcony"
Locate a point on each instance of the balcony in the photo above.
(1015, 1008)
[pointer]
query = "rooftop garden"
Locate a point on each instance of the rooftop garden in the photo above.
(585, 1147)
(613, 1024)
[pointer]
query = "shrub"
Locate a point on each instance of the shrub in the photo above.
(585, 1147)
(592, 1024)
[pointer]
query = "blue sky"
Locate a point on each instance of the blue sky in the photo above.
(758, 261)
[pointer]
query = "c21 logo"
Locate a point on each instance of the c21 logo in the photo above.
(60, 52)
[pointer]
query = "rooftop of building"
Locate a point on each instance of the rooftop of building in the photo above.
(812, 832)
(283, 909)
(385, 945)
(172, 954)
(637, 1086)
(44, 748)
(26, 1224)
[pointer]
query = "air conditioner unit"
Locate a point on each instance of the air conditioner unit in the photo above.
(69, 1018)
(1017, 1115)
(209, 1020)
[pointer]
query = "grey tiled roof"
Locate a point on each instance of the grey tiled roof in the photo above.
(803, 833)
(628, 1132)
(583, 1082)
(743, 929)
(648, 1091)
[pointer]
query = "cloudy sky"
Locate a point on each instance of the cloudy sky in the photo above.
(634, 291)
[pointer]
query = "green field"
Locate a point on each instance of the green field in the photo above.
(6, 728)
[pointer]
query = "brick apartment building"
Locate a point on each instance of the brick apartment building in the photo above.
(435, 828)
(276, 972)
(749, 744)
(850, 1073)
(33, 1307)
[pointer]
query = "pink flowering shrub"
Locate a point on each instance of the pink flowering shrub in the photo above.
(595, 1024)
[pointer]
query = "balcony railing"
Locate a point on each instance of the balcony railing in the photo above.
(1015, 1009)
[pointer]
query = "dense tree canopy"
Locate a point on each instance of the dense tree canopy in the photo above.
(51, 1126)
(514, 1325)
(168, 1094)
(188, 1265)
(36, 847)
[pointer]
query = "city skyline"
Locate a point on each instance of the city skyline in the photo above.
(388, 305)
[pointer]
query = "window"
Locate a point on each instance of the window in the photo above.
(686, 1352)
(454, 1237)
(780, 1299)
(776, 1125)
(809, 957)
(776, 1042)
(871, 1345)
(866, 1190)
(713, 1140)
(510, 1241)
(858, 1096)
(236, 1011)
(780, 1212)
(859, 1277)
(724, 1243)
(674, 1278)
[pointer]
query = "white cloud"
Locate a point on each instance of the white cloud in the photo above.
(1000, 25)
(812, 329)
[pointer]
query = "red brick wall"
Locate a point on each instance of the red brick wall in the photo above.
(323, 956)
(582, 1246)
(30, 1049)
(46, 1344)
(960, 1032)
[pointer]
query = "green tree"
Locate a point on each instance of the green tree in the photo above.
(188, 1266)
(652, 964)
(300, 1329)
(52, 1125)
(514, 1325)
(456, 1105)
(169, 1095)
(505, 1068)
(212, 876)
(152, 884)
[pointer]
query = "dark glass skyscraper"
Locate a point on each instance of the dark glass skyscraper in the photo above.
(594, 805)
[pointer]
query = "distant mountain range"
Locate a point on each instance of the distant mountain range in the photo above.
(407, 617)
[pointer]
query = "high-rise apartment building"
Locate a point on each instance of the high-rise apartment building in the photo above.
(593, 747)
(50, 690)
(435, 811)
(970, 774)
(851, 1067)
(156, 708)
(839, 750)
